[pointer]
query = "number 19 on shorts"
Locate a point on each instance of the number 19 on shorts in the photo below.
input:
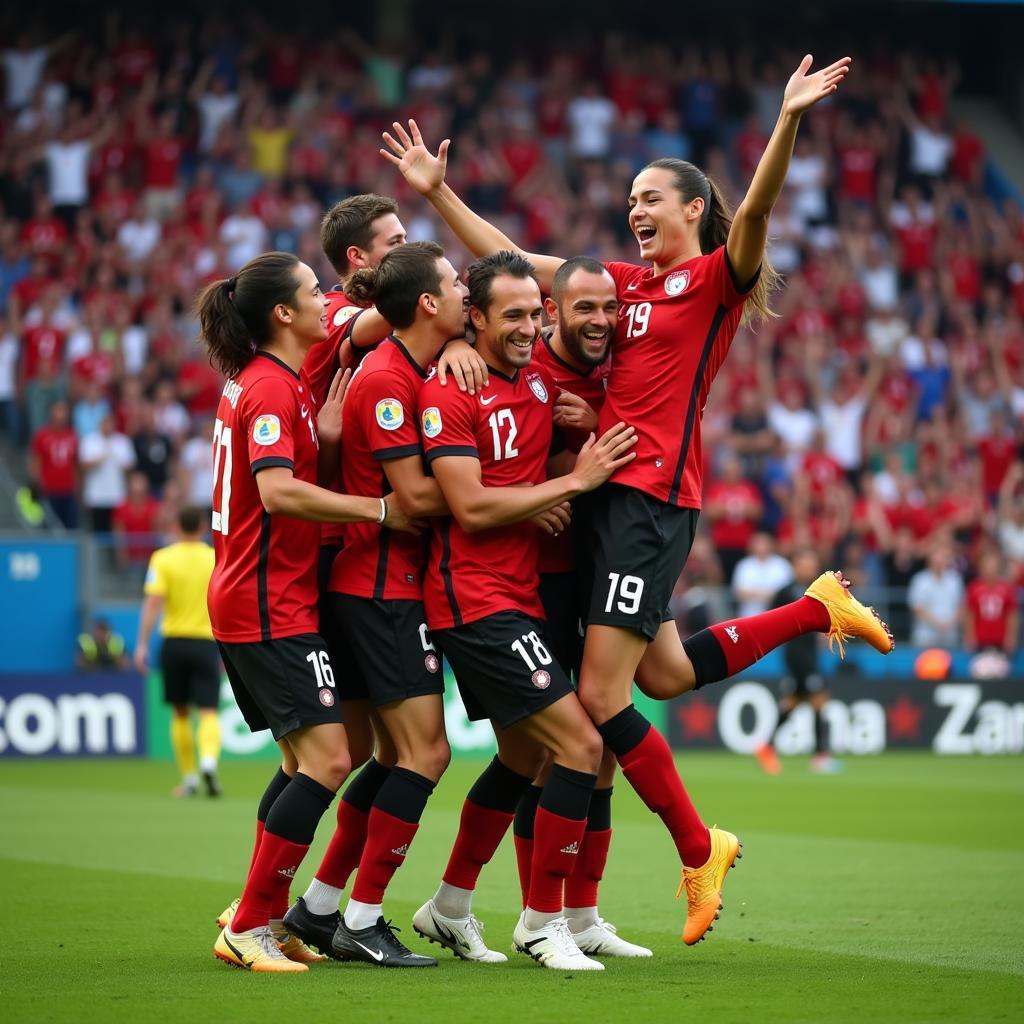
(624, 593)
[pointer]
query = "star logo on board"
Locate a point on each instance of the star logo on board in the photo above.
(904, 719)
(698, 718)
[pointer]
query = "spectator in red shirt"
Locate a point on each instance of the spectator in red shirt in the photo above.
(45, 232)
(161, 162)
(135, 522)
(53, 464)
(990, 611)
(734, 507)
(42, 363)
(998, 450)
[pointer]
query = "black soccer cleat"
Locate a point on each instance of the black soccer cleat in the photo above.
(376, 945)
(212, 784)
(316, 930)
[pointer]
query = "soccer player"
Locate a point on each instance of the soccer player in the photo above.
(176, 583)
(376, 602)
(803, 683)
(258, 327)
(677, 321)
(489, 454)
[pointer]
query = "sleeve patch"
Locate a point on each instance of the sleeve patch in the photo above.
(390, 414)
(431, 421)
(346, 313)
(266, 429)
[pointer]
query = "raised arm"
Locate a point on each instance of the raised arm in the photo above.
(749, 232)
(425, 172)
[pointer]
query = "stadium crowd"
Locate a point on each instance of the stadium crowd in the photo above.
(876, 420)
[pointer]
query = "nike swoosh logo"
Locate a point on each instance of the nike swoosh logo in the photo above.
(375, 953)
(304, 411)
(234, 949)
(487, 401)
(446, 934)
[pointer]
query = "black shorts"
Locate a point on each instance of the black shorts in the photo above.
(802, 685)
(191, 671)
(392, 656)
(283, 685)
(559, 593)
(339, 651)
(504, 667)
(640, 547)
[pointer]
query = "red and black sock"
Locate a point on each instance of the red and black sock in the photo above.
(722, 650)
(346, 846)
(289, 830)
(558, 828)
(647, 763)
(582, 885)
(394, 819)
(522, 835)
(486, 815)
(270, 794)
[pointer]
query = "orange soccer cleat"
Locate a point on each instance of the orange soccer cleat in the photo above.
(703, 885)
(849, 617)
(254, 950)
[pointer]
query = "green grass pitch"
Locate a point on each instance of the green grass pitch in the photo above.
(892, 892)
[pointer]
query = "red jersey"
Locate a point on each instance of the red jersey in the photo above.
(56, 451)
(380, 425)
(673, 333)
(990, 606)
(508, 427)
(556, 553)
(264, 582)
(741, 504)
(44, 351)
(321, 363)
(137, 524)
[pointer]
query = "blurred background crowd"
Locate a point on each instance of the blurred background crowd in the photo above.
(876, 421)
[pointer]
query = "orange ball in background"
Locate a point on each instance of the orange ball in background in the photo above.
(933, 663)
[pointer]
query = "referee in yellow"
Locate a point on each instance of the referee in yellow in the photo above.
(176, 581)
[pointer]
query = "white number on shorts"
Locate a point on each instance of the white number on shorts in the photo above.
(540, 652)
(425, 638)
(221, 441)
(322, 667)
(629, 590)
(639, 319)
(495, 420)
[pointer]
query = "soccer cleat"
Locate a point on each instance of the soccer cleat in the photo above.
(462, 935)
(212, 784)
(228, 913)
(822, 764)
(602, 939)
(848, 616)
(254, 950)
(316, 930)
(185, 790)
(377, 944)
(703, 885)
(768, 759)
(292, 946)
(552, 946)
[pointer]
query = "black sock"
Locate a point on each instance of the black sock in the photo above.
(567, 793)
(819, 733)
(707, 658)
(298, 810)
(526, 811)
(365, 784)
(271, 793)
(499, 788)
(624, 731)
(404, 794)
(599, 818)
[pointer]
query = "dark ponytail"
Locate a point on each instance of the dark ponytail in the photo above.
(691, 182)
(234, 313)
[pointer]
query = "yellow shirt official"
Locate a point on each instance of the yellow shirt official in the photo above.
(180, 574)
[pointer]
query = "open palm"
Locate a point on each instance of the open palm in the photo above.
(804, 90)
(421, 168)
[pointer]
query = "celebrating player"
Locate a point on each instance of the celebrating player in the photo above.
(489, 454)
(376, 601)
(676, 323)
(258, 327)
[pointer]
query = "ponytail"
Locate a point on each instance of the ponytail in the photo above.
(395, 285)
(691, 182)
(235, 312)
(361, 286)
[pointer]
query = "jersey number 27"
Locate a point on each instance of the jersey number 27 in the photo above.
(221, 445)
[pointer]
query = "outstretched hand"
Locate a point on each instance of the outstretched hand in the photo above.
(804, 90)
(421, 168)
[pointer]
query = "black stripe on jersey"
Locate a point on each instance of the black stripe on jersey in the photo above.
(384, 547)
(262, 597)
(452, 449)
(408, 355)
(741, 289)
(691, 409)
(398, 452)
(446, 572)
(270, 462)
(280, 362)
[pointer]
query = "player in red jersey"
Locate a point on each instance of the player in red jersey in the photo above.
(258, 327)
(990, 614)
(376, 604)
(677, 320)
(490, 455)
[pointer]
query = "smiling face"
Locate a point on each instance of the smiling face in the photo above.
(666, 228)
(387, 233)
(451, 315)
(586, 314)
(507, 330)
(306, 314)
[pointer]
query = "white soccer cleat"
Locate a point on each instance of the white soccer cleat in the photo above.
(552, 946)
(462, 935)
(602, 939)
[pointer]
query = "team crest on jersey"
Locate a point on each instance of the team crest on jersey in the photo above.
(431, 421)
(431, 662)
(345, 314)
(541, 679)
(326, 698)
(266, 429)
(537, 387)
(677, 283)
(390, 414)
